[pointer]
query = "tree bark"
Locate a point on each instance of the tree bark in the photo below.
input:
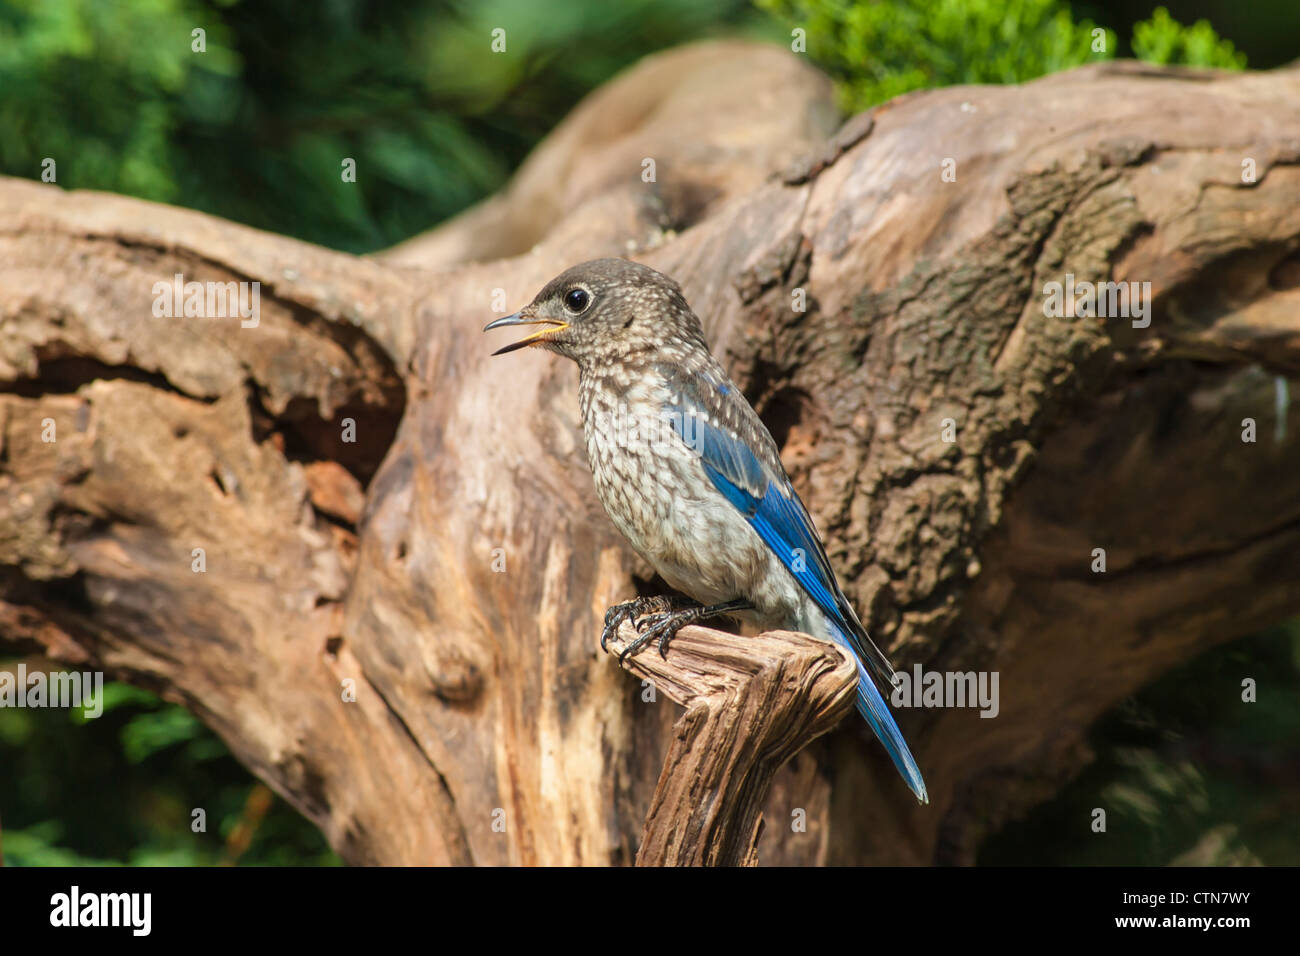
(450, 566)
(751, 704)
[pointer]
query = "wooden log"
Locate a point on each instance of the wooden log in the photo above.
(751, 704)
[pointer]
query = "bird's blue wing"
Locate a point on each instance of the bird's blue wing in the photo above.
(714, 421)
(764, 495)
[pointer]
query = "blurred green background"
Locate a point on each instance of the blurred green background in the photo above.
(254, 130)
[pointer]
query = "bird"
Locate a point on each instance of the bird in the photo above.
(691, 477)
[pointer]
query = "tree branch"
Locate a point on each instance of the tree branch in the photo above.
(751, 704)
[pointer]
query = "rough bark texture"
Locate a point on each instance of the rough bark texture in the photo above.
(751, 704)
(453, 562)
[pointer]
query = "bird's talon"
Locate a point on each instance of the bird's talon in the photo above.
(610, 628)
(654, 619)
(648, 621)
(629, 651)
(615, 617)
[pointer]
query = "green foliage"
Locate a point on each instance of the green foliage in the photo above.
(121, 788)
(1186, 771)
(256, 128)
(1162, 39)
(877, 50)
(100, 88)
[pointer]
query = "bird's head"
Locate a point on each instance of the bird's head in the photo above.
(606, 310)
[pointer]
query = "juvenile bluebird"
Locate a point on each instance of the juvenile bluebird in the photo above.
(691, 477)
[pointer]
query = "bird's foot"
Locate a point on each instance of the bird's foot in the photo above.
(664, 625)
(630, 611)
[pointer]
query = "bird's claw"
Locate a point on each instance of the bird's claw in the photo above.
(662, 626)
(631, 649)
(641, 623)
(631, 611)
(656, 618)
(614, 619)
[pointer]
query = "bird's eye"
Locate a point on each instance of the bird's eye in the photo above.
(576, 300)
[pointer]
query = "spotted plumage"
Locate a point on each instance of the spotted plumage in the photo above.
(690, 476)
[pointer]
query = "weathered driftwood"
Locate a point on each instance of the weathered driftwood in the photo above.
(452, 562)
(751, 704)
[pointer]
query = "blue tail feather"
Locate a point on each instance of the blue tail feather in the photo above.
(872, 706)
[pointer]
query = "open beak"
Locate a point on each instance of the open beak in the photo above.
(554, 326)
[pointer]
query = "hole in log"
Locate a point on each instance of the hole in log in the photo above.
(302, 435)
